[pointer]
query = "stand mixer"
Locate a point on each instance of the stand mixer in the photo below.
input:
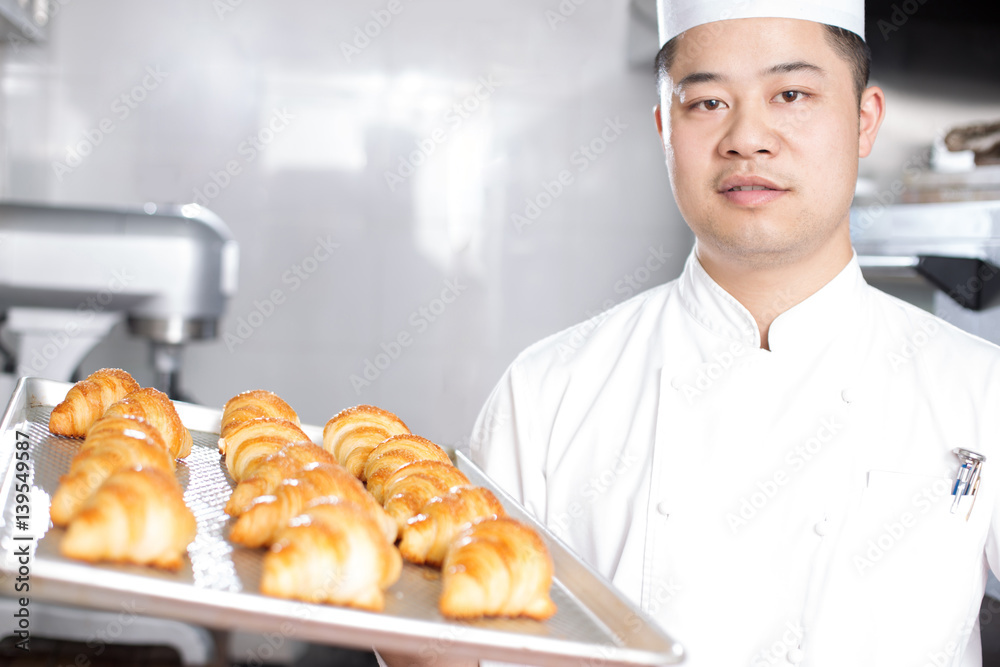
(68, 275)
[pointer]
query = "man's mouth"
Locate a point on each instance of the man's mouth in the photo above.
(750, 191)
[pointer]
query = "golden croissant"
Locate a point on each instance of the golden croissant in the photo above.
(137, 516)
(253, 405)
(112, 444)
(333, 553)
(426, 537)
(155, 407)
(267, 474)
(353, 433)
(497, 567)
(411, 487)
(253, 441)
(260, 523)
(394, 453)
(87, 400)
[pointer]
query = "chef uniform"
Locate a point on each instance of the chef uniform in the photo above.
(766, 507)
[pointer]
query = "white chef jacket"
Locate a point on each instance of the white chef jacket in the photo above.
(765, 507)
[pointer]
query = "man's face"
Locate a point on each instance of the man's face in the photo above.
(761, 103)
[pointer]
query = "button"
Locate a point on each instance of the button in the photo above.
(822, 528)
(675, 382)
(663, 508)
(847, 395)
(794, 655)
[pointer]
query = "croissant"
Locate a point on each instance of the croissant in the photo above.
(87, 400)
(253, 405)
(156, 408)
(137, 516)
(353, 433)
(411, 487)
(425, 538)
(267, 474)
(255, 440)
(332, 553)
(394, 453)
(260, 523)
(134, 427)
(497, 567)
(112, 444)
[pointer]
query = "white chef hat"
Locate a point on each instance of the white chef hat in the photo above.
(676, 16)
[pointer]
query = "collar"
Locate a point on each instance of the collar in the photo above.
(807, 325)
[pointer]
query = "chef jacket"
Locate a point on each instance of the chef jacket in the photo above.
(765, 507)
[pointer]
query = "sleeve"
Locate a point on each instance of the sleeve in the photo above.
(507, 446)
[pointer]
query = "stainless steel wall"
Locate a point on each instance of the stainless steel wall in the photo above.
(419, 189)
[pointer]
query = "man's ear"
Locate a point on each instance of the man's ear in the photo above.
(871, 114)
(659, 123)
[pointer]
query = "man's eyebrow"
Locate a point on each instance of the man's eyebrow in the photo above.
(797, 66)
(699, 77)
(781, 68)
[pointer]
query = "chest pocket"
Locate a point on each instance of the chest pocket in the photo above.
(902, 552)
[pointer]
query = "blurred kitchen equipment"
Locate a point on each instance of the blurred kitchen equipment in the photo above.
(22, 20)
(70, 274)
(952, 247)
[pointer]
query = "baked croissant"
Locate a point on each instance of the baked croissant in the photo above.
(113, 425)
(411, 487)
(498, 567)
(267, 474)
(425, 538)
(253, 405)
(87, 400)
(353, 433)
(255, 440)
(260, 523)
(137, 516)
(155, 407)
(112, 444)
(394, 453)
(333, 553)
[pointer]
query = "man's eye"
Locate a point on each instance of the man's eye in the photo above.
(790, 96)
(709, 105)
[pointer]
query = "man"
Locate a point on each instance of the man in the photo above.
(760, 453)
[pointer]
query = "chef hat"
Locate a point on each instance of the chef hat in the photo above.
(676, 16)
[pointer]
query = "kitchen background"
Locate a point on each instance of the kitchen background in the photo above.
(472, 176)
(430, 186)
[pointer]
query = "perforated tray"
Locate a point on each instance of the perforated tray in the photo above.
(217, 587)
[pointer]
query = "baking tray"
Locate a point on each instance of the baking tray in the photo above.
(217, 586)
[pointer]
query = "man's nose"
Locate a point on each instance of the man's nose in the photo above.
(749, 133)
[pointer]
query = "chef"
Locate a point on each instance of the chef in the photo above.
(760, 454)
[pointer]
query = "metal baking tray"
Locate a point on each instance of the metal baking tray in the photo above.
(217, 586)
